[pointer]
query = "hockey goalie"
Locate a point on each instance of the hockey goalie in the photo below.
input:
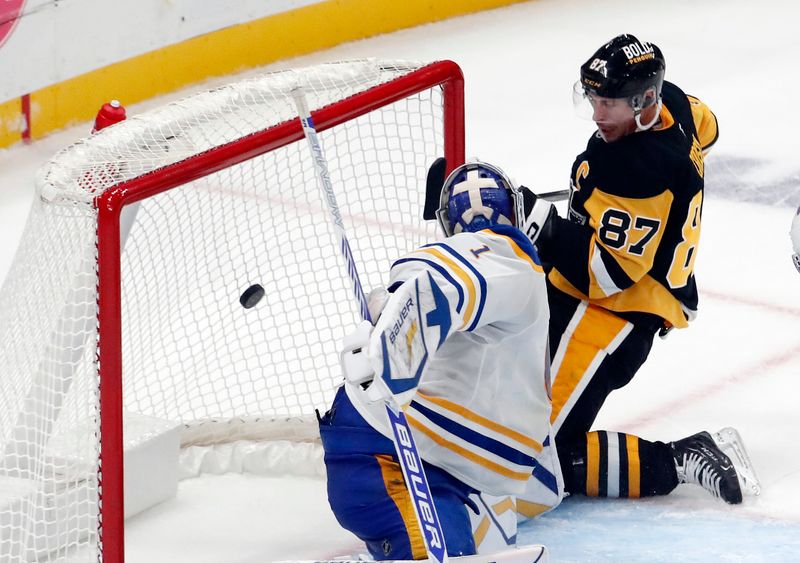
(460, 344)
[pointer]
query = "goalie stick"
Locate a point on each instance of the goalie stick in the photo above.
(407, 454)
(557, 195)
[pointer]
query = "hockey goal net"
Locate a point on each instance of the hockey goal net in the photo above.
(122, 308)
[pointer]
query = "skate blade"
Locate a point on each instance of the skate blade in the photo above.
(729, 441)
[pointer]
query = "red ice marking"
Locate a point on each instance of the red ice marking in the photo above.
(739, 300)
(760, 368)
(355, 219)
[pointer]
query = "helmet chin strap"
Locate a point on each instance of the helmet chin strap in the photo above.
(638, 118)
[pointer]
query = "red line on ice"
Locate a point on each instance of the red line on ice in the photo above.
(759, 368)
(739, 300)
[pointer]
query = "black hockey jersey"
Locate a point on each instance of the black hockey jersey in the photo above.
(630, 241)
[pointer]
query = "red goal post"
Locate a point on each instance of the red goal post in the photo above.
(179, 228)
(445, 74)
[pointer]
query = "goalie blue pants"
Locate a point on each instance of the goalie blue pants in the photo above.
(369, 498)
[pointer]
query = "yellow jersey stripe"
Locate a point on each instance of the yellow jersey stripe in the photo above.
(705, 123)
(595, 331)
(646, 295)
(518, 251)
(395, 485)
(472, 456)
(504, 506)
(463, 276)
(531, 509)
(480, 532)
(632, 445)
(485, 422)
(592, 464)
(620, 245)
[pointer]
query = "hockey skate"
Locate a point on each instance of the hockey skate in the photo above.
(699, 460)
(731, 444)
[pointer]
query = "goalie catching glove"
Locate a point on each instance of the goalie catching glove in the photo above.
(537, 216)
(387, 361)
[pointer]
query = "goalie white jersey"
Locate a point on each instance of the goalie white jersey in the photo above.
(462, 345)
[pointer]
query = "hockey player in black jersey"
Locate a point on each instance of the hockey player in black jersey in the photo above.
(621, 269)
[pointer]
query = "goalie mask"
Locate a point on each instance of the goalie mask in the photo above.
(476, 196)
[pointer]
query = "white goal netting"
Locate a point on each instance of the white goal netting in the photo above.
(191, 355)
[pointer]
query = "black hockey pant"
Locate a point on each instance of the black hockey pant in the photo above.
(593, 352)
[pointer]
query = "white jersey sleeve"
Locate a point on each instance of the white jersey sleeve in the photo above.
(463, 344)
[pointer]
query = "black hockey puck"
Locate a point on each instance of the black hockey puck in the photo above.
(251, 296)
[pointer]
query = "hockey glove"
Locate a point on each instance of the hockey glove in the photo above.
(538, 214)
(359, 364)
(356, 366)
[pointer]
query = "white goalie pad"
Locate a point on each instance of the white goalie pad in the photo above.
(729, 441)
(495, 526)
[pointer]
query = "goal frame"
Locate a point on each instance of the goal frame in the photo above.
(109, 206)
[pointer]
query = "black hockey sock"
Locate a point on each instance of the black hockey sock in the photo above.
(613, 464)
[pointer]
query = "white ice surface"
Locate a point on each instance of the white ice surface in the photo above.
(736, 365)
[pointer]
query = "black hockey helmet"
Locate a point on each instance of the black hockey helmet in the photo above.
(625, 68)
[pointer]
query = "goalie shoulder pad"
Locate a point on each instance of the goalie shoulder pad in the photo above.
(415, 323)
